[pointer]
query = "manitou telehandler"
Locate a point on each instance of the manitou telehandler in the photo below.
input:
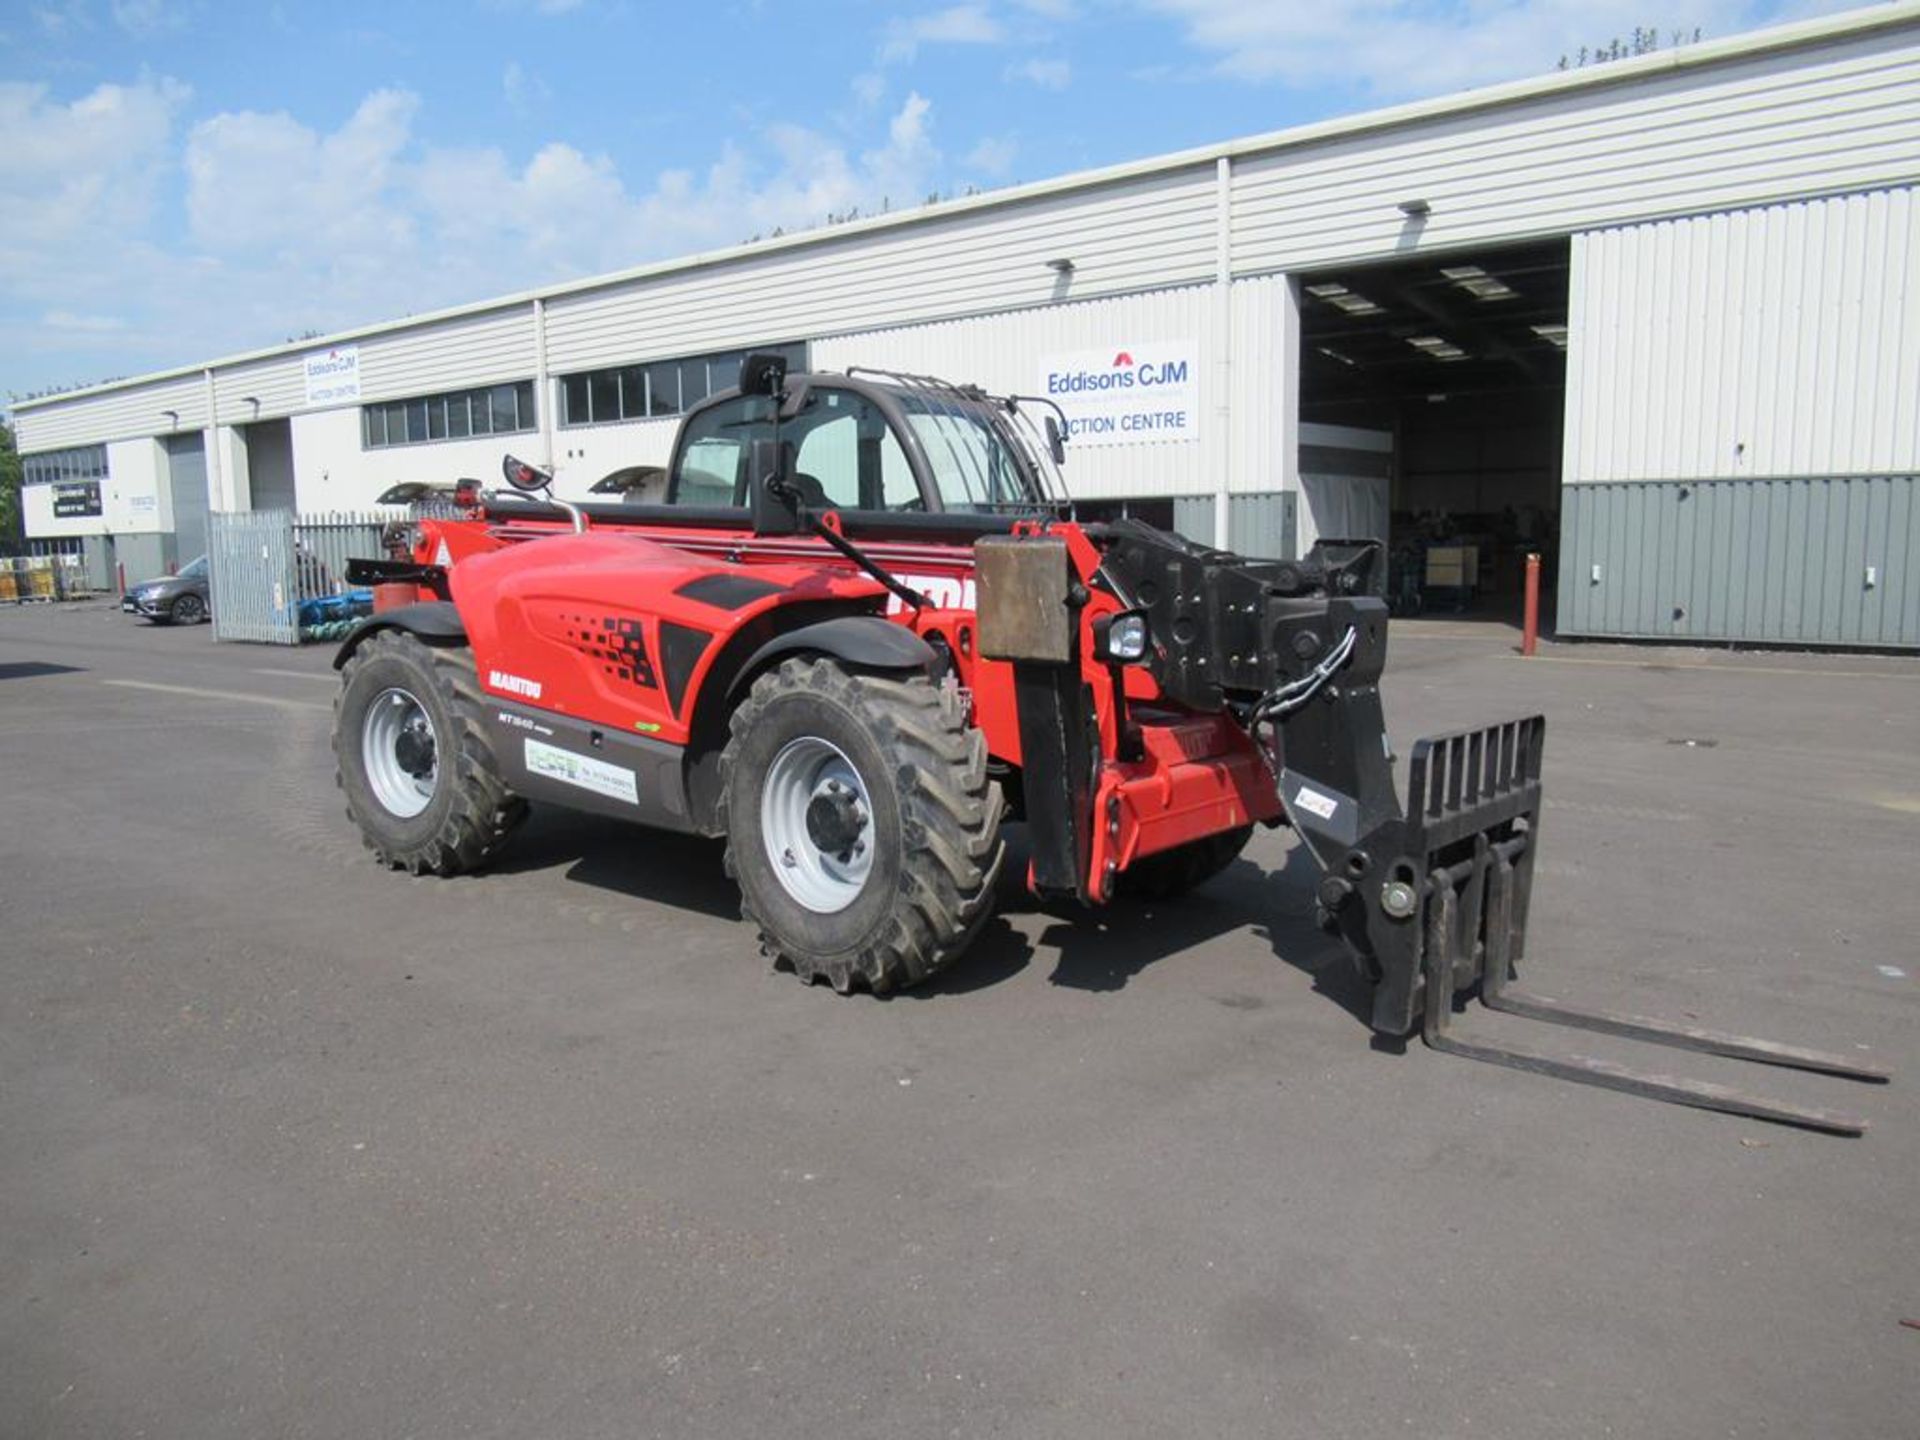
(858, 635)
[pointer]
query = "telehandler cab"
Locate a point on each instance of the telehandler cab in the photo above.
(858, 635)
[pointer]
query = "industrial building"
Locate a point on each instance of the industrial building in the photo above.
(1657, 319)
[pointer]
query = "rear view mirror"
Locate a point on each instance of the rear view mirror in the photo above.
(773, 505)
(762, 374)
(523, 476)
(1056, 441)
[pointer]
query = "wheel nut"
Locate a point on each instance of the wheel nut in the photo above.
(1398, 899)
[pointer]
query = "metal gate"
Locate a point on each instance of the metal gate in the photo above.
(272, 569)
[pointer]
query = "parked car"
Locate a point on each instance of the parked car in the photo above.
(172, 599)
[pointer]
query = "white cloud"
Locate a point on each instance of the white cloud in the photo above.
(1047, 74)
(525, 91)
(290, 227)
(957, 25)
(1395, 48)
(146, 18)
(993, 156)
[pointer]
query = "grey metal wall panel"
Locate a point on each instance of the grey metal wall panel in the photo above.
(1193, 518)
(1264, 527)
(1827, 561)
(187, 484)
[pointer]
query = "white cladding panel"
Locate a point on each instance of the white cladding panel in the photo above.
(470, 350)
(1144, 234)
(1845, 116)
(1003, 353)
(1778, 341)
(117, 415)
(278, 384)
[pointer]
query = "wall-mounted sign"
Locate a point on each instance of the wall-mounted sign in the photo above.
(1131, 394)
(76, 499)
(144, 507)
(333, 376)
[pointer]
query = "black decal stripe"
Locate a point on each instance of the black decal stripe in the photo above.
(681, 647)
(728, 592)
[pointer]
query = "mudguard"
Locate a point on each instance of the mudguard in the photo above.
(435, 621)
(863, 642)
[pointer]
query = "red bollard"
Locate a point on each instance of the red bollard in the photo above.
(1530, 626)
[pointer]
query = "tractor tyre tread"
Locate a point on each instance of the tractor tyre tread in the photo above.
(950, 815)
(483, 809)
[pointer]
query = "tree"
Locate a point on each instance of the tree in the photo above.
(12, 537)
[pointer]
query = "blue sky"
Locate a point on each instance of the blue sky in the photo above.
(188, 179)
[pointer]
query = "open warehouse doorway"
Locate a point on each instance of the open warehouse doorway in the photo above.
(1432, 403)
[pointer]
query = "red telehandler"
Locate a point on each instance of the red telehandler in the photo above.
(857, 636)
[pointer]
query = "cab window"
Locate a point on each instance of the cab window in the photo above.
(715, 451)
(847, 456)
(843, 454)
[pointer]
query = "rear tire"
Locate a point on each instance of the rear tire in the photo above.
(861, 826)
(420, 778)
(1171, 873)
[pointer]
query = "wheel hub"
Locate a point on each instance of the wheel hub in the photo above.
(816, 819)
(413, 748)
(400, 753)
(835, 821)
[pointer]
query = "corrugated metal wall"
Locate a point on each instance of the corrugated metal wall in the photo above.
(115, 415)
(1776, 341)
(1844, 117)
(1787, 561)
(473, 350)
(1143, 234)
(1264, 527)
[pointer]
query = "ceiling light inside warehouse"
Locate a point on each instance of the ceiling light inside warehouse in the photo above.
(1478, 283)
(1552, 334)
(1435, 348)
(1340, 297)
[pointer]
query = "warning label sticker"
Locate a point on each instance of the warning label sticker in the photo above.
(1314, 803)
(582, 770)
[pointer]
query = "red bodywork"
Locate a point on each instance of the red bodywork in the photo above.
(576, 624)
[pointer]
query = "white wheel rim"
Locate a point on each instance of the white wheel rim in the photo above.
(401, 752)
(816, 820)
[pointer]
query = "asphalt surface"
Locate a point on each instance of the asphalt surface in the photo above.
(290, 1146)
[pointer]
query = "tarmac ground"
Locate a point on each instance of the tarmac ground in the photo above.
(292, 1146)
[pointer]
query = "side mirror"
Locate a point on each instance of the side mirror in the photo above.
(1056, 440)
(773, 504)
(762, 374)
(523, 476)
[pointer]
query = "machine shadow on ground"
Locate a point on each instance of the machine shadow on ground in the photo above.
(1095, 950)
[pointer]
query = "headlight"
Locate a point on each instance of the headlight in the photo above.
(1121, 639)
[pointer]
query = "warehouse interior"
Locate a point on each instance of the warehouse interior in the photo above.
(1438, 385)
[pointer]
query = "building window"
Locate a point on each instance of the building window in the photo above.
(664, 387)
(457, 415)
(83, 462)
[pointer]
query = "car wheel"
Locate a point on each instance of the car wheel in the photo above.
(188, 609)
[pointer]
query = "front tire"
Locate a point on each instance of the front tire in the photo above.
(420, 778)
(187, 610)
(861, 825)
